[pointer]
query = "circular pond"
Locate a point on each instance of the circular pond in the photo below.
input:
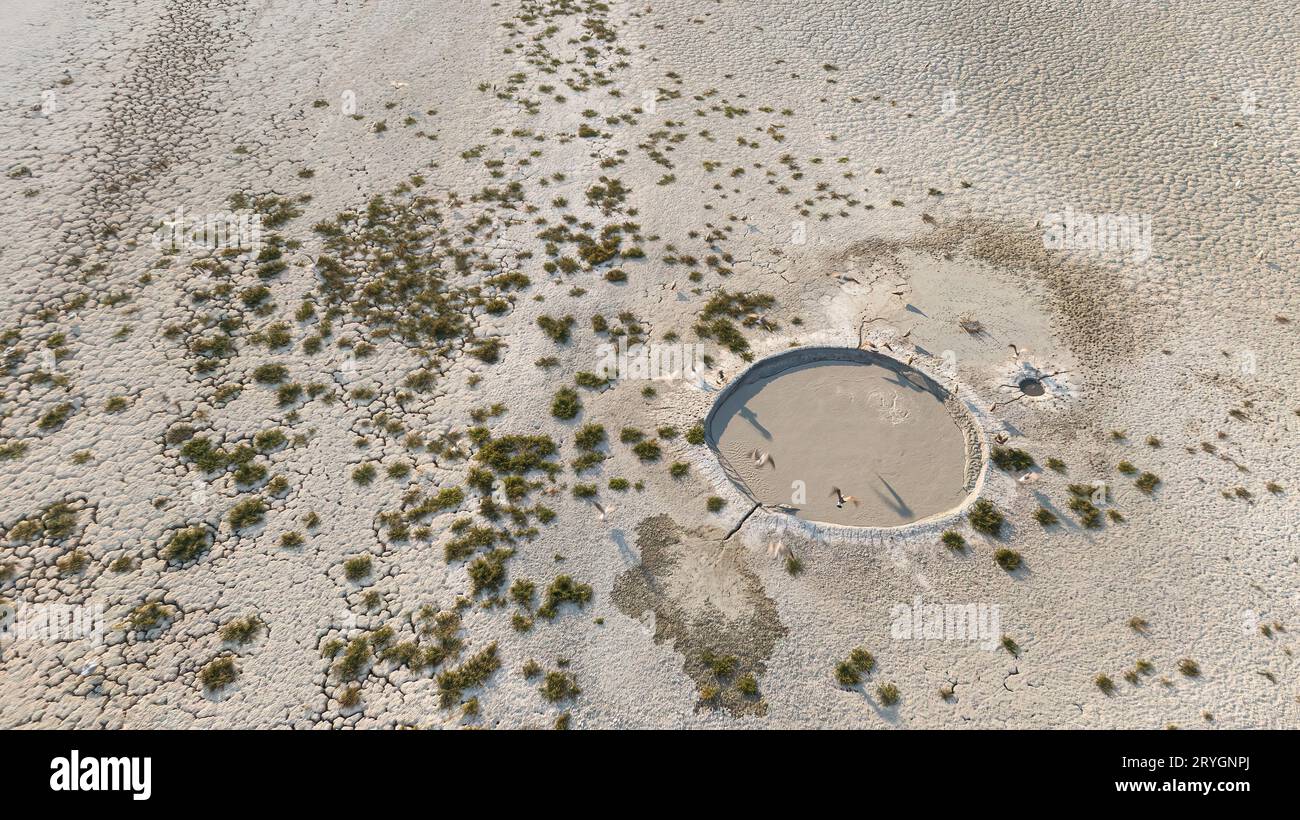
(844, 436)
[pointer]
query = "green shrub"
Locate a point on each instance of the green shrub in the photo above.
(648, 450)
(1089, 514)
(468, 542)
(354, 659)
(887, 693)
(1008, 559)
(846, 674)
(55, 417)
(556, 329)
(564, 590)
(350, 696)
(722, 666)
(518, 454)
(219, 673)
(485, 350)
(270, 373)
(488, 572)
(1009, 644)
(522, 592)
(354, 569)
(73, 562)
(589, 436)
(59, 520)
(473, 672)
(268, 440)
(1147, 482)
(862, 660)
(242, 630)
(247, 513)
(558, 686)
(587, 461)
(148, 616)
(1011, 459)
(186, 544)
(566, 404)
(288, 394)
(986, 518)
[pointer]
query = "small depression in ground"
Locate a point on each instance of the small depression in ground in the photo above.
(1032, 387)
(887, 436)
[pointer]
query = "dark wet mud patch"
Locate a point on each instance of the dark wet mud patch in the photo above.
(712, 610)
(1031, 387)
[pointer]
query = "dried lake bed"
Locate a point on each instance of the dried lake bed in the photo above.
(350, 458)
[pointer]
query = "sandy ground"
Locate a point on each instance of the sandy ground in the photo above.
(269, 469)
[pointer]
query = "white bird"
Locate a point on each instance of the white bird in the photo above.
(761, 459)
(1028, 478)
(602, 510)
(841, 498)
(777, 549)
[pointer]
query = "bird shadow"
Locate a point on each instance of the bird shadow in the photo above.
(916, 383)
(628, 554)
(895, 502)
(749, 416)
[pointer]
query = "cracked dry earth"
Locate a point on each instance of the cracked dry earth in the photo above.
(364, 473)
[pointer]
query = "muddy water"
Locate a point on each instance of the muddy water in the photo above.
(880, 435)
